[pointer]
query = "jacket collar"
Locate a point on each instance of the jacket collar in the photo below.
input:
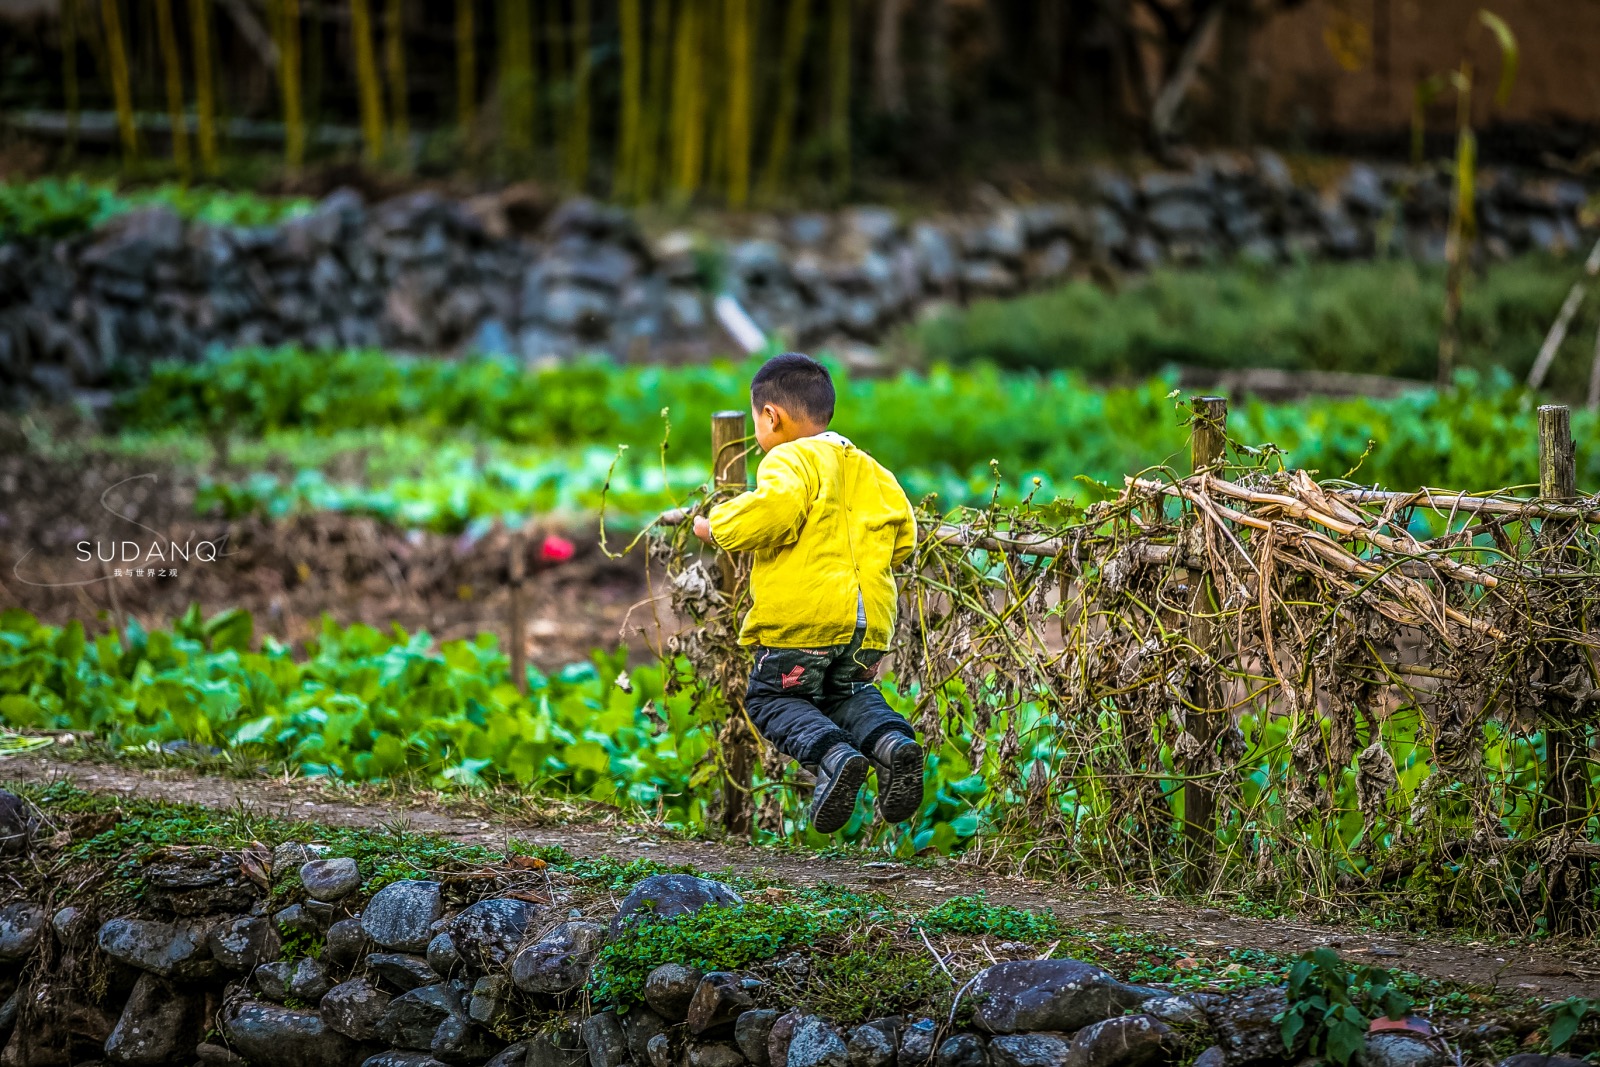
(835, 438)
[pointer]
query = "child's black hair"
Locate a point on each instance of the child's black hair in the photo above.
(797, 383)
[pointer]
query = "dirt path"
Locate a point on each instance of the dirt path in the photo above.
(1538, 973)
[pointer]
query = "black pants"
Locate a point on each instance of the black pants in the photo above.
(806, 700)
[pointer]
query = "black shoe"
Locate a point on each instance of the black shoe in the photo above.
(839, 780)
(898, 759)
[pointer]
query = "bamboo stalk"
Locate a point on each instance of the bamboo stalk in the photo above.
(466, 68)
(516, 81)
(369, 89)
(69, 70)
(294, 126)
(839, 93)
(205, 105)
(394, 57)
(795, 28)
(172, 67)
(653, 113)
(630, 45)
(688, 133)
(578, 119)
(121, 88)
(741, 60)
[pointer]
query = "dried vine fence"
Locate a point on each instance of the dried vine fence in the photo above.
(1243, 679)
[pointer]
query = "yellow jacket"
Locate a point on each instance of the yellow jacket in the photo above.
(825, 522)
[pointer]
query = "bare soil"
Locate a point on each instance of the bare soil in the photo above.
(1549, 971)
(60, 520)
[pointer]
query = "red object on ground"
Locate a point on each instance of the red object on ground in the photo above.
(556, 549)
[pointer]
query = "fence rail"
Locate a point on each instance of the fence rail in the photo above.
(1243, 680)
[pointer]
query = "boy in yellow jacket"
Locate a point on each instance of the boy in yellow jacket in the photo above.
(826, 525)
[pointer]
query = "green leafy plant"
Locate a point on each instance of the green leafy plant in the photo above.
(714, 938)
(975, 915)
(1566, 1016)
(1330, 1007)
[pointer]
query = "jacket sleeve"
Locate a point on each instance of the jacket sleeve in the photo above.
(905, 535)
(770, 516)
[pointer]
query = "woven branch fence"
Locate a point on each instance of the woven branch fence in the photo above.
(1237, 680)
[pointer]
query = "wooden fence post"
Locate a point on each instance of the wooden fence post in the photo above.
(518, 622)
(729, 473)
(1208, 439)
(1566, 800)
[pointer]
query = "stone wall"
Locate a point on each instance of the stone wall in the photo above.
(425, 273)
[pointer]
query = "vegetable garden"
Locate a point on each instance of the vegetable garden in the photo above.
(1254, 680)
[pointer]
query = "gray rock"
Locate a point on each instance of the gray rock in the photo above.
(1115, 189)
(212, 1055)
(353, 1008)
(1126, 1041)
(572, 307)
(1179, 218)
(308, 981)
(13, 824)
(985, 277)
(660, 1051)
(665, 896)
(719, 999)
(1023, 995)
(272, 980)
(297, 920)
(292, 855)
(815, 1044)
(330, 879)
(9, 1008)
(639, 1025)
(458, 1040)
(400, 916)
(751, 1031)
(67, 923)
(559, 961)
(163, 949)
(403, 971)
(488, 933)
(511, 1056)
(712, 1054)
(490, 1003)
(270, 1036)
(1539, 1059)
(547, 1050)
(916, 1042)
(240, 944)
(778, 1037)
(870, 224)
(1402, 1048)
(936, 258)
(412, 1018)
(962, 1050)
(809, 229)
(1246, 1028)
(1362, 190)
(602, 1036)
(669, 988)
(1051, 263)
(401, 1058)
(873, 1044)
(21, 929)
(344, 943)
(1029, 1050)
(1177, 1011)
(442, 954)
(1005, 237)
(1211, 1057)
(160, 1024)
